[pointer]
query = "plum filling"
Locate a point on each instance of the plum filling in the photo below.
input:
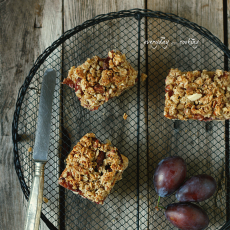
(107, 167)
(68, 82)
(100, 159)
(106, 63)
(120, 157)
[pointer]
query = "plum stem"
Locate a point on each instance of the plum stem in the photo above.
(158, 201)
(158, 206)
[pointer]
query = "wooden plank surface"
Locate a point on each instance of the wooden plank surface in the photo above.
(27, 28)
(17, 57)
(202, 150)
(228, 22)
(119, 210)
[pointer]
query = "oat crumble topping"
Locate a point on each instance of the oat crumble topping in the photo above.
(45, 200)
(125, 116)
(143, 76)
(98, 80)
(92, 169)
(198, 95)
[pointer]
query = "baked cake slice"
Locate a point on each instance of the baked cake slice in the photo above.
(198, 95)
(98, 80)
(92, 169)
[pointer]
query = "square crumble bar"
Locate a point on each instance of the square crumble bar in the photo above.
(197, 95)
(98, 80)
(92, 169)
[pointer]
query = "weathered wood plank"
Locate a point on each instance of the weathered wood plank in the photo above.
(50, 31)
(208, 14)
(119, 210)
(77, 12)
(27, 28)
(203, 146)
(228, 21)
(16, 61)
(211, 150)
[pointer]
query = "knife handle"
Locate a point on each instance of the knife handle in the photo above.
(35, 201)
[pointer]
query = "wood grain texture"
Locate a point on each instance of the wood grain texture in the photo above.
(76, 12)
(196, 142)
(228, 21)
(208, 14)
(27, 28)
(119, 210)
(16, 60)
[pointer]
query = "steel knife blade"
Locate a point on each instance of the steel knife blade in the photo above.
(42, 136)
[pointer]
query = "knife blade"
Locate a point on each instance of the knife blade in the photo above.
(42, 136)
(40, 152)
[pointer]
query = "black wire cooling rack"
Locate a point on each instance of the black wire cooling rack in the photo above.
(153, 43)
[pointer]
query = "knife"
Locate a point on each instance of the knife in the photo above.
(40, 152)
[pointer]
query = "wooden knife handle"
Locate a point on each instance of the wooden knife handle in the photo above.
(35, 201)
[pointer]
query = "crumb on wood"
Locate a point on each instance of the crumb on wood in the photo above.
(143, 76)
(30, 149)
(108, 142)
(125, 116)
(45, 200)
